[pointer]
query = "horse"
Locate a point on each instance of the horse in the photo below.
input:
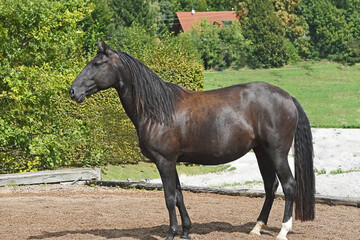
(175, 124)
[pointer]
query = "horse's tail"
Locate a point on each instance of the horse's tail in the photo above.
(304, 171)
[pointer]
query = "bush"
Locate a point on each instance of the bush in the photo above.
(33, 133)
(41, 128)
(218, 48)
(40, 44)
(34, 32)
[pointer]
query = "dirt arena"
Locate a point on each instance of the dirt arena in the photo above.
(82, 212)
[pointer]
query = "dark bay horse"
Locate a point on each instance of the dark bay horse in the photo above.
(175, 124)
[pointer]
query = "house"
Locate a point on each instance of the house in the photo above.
(184, 21)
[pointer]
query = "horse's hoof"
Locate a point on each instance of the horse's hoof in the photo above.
(184, 238)
(254, 234)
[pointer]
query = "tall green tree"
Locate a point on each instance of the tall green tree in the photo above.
(143, 12)
(264, 29)
(328, 29)
(97, 24)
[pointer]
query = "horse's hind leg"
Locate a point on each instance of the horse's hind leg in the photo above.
(270, 183)
(185, 219)
(288, 184)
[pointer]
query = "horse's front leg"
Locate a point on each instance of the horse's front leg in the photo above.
(185, 219)
(167, 170)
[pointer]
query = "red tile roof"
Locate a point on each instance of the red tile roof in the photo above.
(187, 19)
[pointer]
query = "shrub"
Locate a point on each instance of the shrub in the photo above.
(40, 127)
(34, 32)
(218, 48)
(39, 43)
(33, 133)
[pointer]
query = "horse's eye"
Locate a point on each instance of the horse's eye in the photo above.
(97, 64)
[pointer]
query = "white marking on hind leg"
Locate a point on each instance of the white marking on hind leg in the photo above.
(256, 230)
(285, 228)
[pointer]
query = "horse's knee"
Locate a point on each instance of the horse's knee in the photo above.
(170, 202)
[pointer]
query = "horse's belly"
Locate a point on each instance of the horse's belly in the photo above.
(211, 158)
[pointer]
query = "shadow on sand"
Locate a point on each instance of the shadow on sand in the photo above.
(158, 231)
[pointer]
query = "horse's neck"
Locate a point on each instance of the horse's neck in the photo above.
(127, 100)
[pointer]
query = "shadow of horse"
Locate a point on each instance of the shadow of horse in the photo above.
(149, 233)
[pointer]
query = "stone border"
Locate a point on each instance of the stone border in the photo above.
(52, 176)
(329, 200)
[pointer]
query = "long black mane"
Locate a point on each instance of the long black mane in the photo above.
(154, 97)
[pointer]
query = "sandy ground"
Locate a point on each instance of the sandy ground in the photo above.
(335, 150)
(80, 212)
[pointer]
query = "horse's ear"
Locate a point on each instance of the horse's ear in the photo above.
(100, 47)
(105, 48)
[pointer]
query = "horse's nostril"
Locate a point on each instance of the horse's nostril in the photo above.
(71, 92)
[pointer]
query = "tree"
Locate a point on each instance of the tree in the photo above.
(328, 29)
(264, 29)
(97, 24)
(143, 12)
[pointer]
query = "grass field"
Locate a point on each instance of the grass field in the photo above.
(144, 170)
(329, 92)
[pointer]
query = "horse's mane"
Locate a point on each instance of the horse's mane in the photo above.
(153, 97)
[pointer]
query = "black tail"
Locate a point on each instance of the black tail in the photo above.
(304, 171)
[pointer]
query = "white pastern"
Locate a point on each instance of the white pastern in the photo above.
(256, 230)
(285, 228)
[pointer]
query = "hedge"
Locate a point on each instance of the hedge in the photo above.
(41, 128)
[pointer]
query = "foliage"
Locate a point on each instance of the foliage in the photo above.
(296, 29)
(41, 52)
(142, 12)
(219, 48)
(264, 29)
(30, 31)
(33, 74)
(329, 30)
(96, 25)
(203, 5)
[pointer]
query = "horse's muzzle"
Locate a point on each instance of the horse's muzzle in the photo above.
(78, 98)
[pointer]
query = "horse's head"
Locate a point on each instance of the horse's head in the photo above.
(98, 74)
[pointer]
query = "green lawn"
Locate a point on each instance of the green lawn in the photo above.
(144, 170)
(329, 92)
